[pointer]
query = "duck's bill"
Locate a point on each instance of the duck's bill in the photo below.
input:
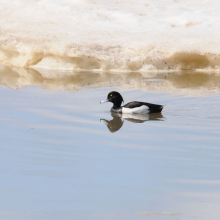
(104, 101)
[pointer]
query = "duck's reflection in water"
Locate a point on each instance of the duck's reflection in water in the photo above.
(118, 119)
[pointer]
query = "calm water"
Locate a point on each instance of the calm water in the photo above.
(60, 160)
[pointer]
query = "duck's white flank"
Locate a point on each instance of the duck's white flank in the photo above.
(138, 110)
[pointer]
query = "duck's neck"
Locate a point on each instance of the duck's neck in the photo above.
(117, 104)
(116, 109)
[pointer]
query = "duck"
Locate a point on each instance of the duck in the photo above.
(134, 107)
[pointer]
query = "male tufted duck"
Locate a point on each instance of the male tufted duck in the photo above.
(134, 107)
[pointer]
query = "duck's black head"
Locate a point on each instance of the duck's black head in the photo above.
(115, 98)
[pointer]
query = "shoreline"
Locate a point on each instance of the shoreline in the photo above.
(111, 59)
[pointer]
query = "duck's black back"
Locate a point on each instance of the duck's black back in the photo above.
(153, 108)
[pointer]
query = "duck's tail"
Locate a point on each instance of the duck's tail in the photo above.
(158, 110)
(162, 106)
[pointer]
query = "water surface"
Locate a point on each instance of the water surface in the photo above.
(59, 161)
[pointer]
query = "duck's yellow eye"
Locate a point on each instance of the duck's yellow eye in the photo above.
(110, 94)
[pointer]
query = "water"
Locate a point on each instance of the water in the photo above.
(192, 83)
(100, 35)
(59, 161)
